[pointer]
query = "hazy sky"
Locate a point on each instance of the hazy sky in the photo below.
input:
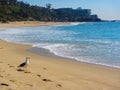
(105, 9)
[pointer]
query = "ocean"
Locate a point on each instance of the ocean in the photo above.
(93, 42)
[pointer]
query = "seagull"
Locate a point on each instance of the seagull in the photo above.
(25, 64)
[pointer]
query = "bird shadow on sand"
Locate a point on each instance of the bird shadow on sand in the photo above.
(21, 70)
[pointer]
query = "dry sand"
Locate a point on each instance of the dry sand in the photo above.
(30, 23)
(47, 73)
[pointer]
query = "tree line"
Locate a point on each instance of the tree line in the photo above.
(20, 11)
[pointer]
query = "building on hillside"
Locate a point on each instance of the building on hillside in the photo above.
(87, 11)
(94, 17)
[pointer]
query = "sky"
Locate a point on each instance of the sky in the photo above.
(105, 9)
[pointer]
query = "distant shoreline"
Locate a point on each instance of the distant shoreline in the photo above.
(32, 23)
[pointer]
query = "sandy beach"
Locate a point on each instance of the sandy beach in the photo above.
(50, 73)
(30, 24)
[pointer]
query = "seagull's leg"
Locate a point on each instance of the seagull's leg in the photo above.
(26, 68)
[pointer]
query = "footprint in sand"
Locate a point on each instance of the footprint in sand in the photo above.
(47, 80)
(4, 84)
(27, 72)
(12, 81)
(8, 74)
(1, 48)
(10, 89)
(10, 65)
(58, 85)
(38, 75)
(1, 76)
(29, 85)
(45, 68)
(3, 71)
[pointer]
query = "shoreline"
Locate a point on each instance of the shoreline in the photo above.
(45, 52)
(50, 73)
(31, 24)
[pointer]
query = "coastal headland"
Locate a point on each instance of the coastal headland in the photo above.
(50, 73)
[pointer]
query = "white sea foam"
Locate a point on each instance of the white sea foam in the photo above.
(51, 47)
(56, 49)
(77, 23)
(71, 24)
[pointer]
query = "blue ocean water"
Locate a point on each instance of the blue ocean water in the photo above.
(94, 42)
